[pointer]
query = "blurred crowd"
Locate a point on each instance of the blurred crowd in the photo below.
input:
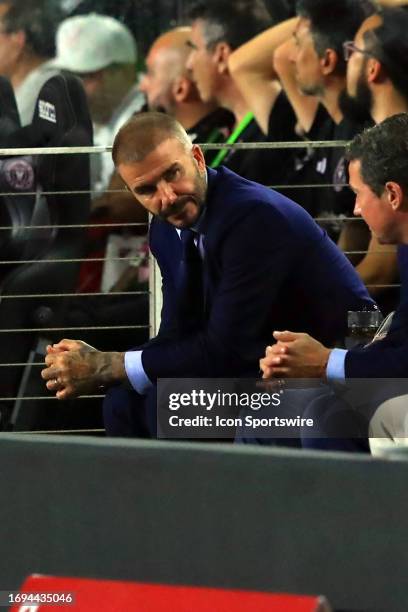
(248, 71)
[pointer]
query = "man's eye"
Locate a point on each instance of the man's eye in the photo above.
(173, 174)
(144, 191)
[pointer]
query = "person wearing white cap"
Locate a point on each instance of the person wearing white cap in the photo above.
(27, 44)
(102, 51)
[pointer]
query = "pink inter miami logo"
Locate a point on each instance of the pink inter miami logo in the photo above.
(19, 174)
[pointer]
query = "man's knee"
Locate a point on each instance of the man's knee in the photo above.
(126, 414)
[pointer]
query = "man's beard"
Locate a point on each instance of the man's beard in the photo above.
(357, 108)
(158, 108)
(311, 90)
(198, 197)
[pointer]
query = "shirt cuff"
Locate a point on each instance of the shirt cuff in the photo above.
(135, 372)
(335, 369)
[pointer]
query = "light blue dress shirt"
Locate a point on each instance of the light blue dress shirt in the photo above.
(135, 372)
(335, 369)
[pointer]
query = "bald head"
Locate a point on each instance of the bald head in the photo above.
(166, 83)
(173, 47)
(143, 133)
(373, 21)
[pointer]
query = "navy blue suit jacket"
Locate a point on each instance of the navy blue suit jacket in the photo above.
(386, 358)
(267, 266)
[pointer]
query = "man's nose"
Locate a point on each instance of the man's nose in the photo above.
(189, 63)
(292, 52)
(357, 210)
(166, 193)
(143, 83)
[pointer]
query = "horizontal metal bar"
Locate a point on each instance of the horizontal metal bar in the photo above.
(15, 151)
(74, 226)
(20, 194)
(128, 225)
(76, 260)
(23, 364)
(14, 194)
(59, 295)
(85, 328)
(110, 259)
(43, 397)
(297, 144)
(365, 252)
(120, 293)
(59, 431)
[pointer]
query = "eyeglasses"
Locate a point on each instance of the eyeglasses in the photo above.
(349, 48)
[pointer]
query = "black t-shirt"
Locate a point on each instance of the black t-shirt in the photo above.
(325, 166)
(215, 127)
(266, 166)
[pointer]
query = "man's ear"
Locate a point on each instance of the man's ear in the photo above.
(198, 157)
(394, 194)
(181, 88)
(329, 62)
(374, 70)
(222, 52)
(17, 41)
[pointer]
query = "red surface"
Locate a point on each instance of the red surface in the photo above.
(110, 596)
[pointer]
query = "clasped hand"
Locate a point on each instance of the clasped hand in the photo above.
(294, 355)
(72, 368)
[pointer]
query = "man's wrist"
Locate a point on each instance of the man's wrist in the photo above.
(325, 361)
(111, 368)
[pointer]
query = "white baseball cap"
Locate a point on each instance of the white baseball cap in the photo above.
(88, 43)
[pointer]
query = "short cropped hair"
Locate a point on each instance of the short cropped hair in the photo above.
(332, 22)
(383, 153)
(232, 22)
(388, 43)
(38, 19)
(143, 133)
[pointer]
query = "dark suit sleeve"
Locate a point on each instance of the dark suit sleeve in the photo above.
(379, 360)
(168, 323)
(252, 266)
(386, 358)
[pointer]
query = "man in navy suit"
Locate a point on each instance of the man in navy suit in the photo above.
(260, 261)
(379, 177)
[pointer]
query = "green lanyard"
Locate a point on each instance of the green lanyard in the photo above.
(233, 138)
(214, 136)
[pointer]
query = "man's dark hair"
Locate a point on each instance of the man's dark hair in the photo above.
(388, 43)
(38, 19)
(142, 133)
(383, 153)
(232, 22)
(332, 22)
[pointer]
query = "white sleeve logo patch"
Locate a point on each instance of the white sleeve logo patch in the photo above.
(46, 111)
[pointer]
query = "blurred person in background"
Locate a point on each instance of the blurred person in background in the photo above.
(27, 44)
(169, 88)
(103, 53)
(377, 80)
(219, 27)
(306, 54)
